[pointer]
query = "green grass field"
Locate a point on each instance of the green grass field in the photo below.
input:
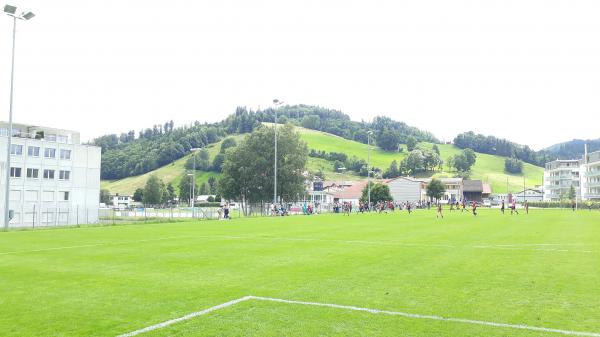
(537, 270)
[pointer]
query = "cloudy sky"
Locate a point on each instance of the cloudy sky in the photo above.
(527, 70)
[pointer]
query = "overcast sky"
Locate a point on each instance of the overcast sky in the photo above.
(525, 70)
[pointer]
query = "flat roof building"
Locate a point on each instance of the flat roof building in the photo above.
(54, 179)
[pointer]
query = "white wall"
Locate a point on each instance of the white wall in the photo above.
(405, 190)
(83, 186)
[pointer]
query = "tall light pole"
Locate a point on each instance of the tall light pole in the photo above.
(11, 11)
(276, 103)
(194, 151)
(369, 134)
(524, 194)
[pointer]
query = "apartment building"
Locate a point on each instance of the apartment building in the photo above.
(54, 179)
(559, 176)
(591, 176)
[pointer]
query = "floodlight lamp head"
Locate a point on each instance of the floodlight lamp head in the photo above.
(8, 9)
(28, 15)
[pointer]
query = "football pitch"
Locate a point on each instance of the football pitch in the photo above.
(324, 275)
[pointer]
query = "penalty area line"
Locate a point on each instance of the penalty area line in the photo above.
(368, 310)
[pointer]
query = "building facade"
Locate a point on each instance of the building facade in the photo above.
(559, 177)
(54, 179)
(591, 177)
(404, 189)
(122, 201)
(529, 195)
(473, 190)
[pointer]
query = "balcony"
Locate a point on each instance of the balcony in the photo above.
(593, 196)
(560, 178)
(592, 173)
(594, 184)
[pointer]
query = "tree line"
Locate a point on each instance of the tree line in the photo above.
(501, 147)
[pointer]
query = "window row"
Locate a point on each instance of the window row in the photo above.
(34, 173)
(33, 195)
(38, 135)
(34, 151)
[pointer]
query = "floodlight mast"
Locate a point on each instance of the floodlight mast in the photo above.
(194, 150)
(369, 134)
(276, 103)
(11, 11)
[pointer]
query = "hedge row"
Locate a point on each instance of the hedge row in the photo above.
(564, 204)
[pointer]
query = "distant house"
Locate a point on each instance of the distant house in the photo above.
(453, 189)
(530, 194)
(122, 201)
(204, 197)
(350, 194)
(487, 191)
(316, 192)
(406, 189)
(473, 190)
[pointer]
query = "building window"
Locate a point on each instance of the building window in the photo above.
(31, 196)
(49, 152)
(33, 173)
(33, 151)
(48, 174)
(3, 132)
(15, 195)
(63, 196)
(65, 154)
(48, 195)
(51, 138)
(16, 132)
(16, 150)
(62, 139)
(64, 175)
(15, 172)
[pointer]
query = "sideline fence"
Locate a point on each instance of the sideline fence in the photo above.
(34, 216)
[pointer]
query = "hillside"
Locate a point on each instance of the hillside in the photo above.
(488, 168)
(572, 149)
(171, 173)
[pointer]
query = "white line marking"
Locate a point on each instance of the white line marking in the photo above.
(186, 317)
(366, 242)
(394, 243)
(353, 308)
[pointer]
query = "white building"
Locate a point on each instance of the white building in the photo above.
(559, 176)
(54, 180)
(530, 195)
(591, 176)
(122, 201)
(453, 189)
(405, 189)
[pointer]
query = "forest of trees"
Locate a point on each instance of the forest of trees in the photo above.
(500, 147)
(572, 149)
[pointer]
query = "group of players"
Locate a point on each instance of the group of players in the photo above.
(512, 206)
